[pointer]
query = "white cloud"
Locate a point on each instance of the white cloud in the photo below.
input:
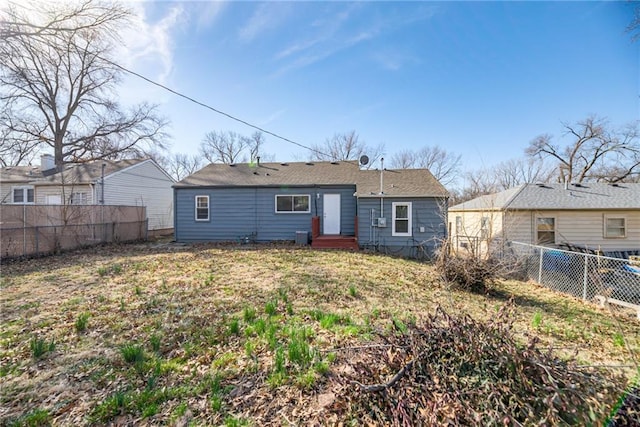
(207, 13)
(341, 30)
(271, 118)
(267, 16)
(394, 60)
(150, 44)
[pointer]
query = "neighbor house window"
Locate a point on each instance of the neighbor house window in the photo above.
(484, 227)
(615, 227)
(22, 194)
(546, 230)
(79, 198)
(202, 208)
(401, 221)
(458, 225)
(293, 203)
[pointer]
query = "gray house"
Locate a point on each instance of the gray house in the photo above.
(337, 204)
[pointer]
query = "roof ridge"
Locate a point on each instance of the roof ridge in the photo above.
(515, 195)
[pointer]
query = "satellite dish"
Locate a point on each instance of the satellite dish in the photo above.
(364, 160)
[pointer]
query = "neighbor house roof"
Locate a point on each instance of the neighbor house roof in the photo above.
(20, 174)
(409, 182)
(77, 173)
(89, 172)
(557, 197)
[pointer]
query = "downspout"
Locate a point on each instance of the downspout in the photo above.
(104, 230)
(316, 198)
(24, 224)
(102, 184)
(255, 210)
(381, 186)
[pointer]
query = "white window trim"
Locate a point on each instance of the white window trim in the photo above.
(604, 226)
(196, 208)
(24, 194)
(409, 232)
(555, 229)
(275, 200)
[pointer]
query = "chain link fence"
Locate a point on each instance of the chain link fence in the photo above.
(41, 240)
(582, 275)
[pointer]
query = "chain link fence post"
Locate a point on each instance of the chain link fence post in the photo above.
(585, 277)
(540, 267)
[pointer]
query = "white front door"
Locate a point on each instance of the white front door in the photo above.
(331, 214)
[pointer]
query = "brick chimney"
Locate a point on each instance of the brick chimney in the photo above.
(47, 162)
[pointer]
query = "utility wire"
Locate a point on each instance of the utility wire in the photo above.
(202, 104)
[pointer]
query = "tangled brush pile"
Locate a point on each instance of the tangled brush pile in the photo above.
(453, 370)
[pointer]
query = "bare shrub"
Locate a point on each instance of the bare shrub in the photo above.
(469, 272)
(454, 370)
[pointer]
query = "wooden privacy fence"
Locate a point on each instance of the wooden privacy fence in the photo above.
(42, 229)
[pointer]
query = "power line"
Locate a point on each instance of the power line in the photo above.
(202, 104)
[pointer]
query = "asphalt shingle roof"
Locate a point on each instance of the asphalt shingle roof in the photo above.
(20, 173)
(90, 171)
(75, 172)
(555, 196)
(408, 182)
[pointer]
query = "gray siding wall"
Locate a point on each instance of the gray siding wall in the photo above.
(239, 211)
(429, 213)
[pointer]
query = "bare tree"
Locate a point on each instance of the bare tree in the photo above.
(254, 144)
(14, 151)
(592, 148)
(403, 159)
(476, 183)
(634, 27)
(346, 146)
(514, 172)
(179, 165)
(223, 147)
(444, 165)
(504, 175)
(40, 19)
(57, 86)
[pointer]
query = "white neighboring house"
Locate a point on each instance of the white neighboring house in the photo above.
(596, 216)
(133, 182)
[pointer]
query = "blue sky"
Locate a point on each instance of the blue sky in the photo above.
(480, 79)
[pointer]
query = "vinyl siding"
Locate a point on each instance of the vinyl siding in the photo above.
(583, 228)
(144, 184)
(239, 211)
(43, 191)
(426, 212)
(5, 191)
(470, 236)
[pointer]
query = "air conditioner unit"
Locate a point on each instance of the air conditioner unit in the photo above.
(382, 222)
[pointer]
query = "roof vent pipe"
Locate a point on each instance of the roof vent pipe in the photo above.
(258, 160)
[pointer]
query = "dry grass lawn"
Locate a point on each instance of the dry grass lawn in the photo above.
(162, 334)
